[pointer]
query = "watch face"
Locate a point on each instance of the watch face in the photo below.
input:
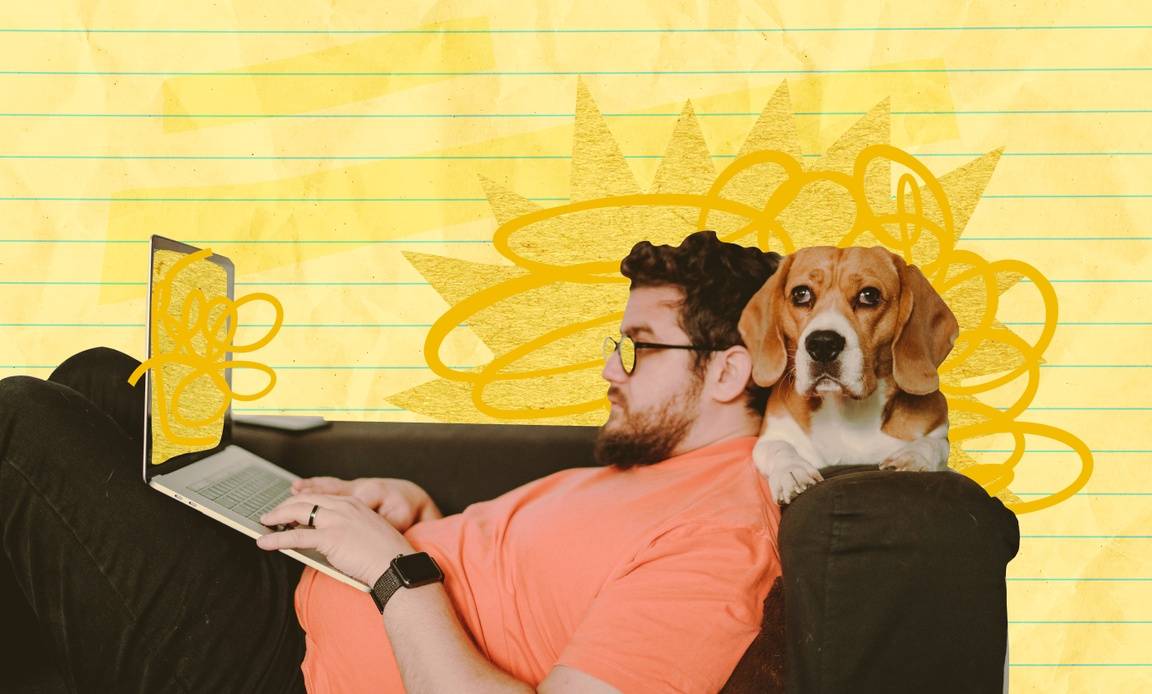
(417, 569)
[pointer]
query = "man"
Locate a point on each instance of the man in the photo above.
(647, 574)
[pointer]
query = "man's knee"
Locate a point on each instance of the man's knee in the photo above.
(51, 433)
(83, 366)
(44, 407)
(18, 391)
(30, 399)
(28, 409)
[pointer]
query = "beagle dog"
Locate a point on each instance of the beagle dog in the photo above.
(849, 339)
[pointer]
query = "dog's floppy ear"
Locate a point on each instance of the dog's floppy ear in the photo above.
(761, 330)
(925, 332)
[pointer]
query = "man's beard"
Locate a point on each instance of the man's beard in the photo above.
(648, 437)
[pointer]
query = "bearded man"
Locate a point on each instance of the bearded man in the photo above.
(648, 573)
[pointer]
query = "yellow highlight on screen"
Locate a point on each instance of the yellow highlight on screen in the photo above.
(193, 323)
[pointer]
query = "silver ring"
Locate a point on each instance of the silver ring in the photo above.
(312, 516)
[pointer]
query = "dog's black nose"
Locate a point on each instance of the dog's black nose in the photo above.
(824, 345)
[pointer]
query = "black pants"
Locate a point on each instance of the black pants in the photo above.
(132, 590)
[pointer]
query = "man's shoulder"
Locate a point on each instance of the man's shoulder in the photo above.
(736, 499)
(745, 502)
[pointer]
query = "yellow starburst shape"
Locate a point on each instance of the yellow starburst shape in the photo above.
(544, 315)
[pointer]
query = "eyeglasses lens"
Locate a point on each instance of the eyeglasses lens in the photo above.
(627, 350)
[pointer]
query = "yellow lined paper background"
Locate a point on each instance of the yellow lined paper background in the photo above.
(118, 120)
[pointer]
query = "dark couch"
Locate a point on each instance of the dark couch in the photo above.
(893, 582)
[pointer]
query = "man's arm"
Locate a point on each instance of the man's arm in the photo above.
(432, 650)
(434, 653)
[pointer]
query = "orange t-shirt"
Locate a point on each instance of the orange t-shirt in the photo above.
(650, 579)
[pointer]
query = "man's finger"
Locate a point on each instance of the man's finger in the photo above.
(326, 500)
(394, 516)
(322, 485)
(296, 510)
(289, 539)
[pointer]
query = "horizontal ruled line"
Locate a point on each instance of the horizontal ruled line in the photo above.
(1062, 450)
(481, 157)
(578, 30)
(1096, 366)
(1001, 196)
(563, 115)
(1055, 238)
(141, 326)
(1087, 537)
(1070, 196)
(332, 284)
(301, 283)
(576, 73)
(1079, 664)
(1087, 409)
(1076, 579)
(1026, 280)
(1080, 621)
(364, 199)
(358, 367)
(318, 409)
(1086, 493)
(256, 241)
(1094, 324)
(488, 241)
(311, 283)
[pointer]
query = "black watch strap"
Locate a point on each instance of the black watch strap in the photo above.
(407, 571)
(385, 587)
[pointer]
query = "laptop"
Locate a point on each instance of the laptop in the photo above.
(219, 479)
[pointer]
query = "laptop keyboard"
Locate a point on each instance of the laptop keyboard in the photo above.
(250, 491)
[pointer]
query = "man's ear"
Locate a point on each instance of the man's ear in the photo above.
(729, 373)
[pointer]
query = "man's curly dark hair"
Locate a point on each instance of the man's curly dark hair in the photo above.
(717, 279)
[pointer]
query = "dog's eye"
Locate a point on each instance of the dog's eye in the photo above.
(801, 296)
(868, 296)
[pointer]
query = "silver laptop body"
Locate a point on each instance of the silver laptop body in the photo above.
(227, 483)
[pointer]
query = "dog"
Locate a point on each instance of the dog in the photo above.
(849, 340)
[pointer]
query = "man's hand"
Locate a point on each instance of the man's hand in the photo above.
(400, 502)
(351, 535)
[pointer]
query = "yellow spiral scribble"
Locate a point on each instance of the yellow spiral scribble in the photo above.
(191, 336)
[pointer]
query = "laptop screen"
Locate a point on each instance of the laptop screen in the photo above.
(190, 327)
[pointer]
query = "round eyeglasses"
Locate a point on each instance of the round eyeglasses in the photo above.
(627, 347)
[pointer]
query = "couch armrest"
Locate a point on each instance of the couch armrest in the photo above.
(894, 582)
(457, 464)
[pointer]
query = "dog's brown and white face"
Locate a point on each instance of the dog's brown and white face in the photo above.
(845, 318)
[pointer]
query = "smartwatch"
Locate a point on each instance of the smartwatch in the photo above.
(407, 571)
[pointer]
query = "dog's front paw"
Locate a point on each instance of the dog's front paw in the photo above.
(909, 459)
(789, 475)
(787, 482)
(787, 472)
(921, 455)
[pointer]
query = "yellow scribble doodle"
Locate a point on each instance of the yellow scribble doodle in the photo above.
(544, 318)
(193, 325)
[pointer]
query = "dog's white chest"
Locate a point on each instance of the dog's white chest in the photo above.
(842, 431)
(847, 432)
